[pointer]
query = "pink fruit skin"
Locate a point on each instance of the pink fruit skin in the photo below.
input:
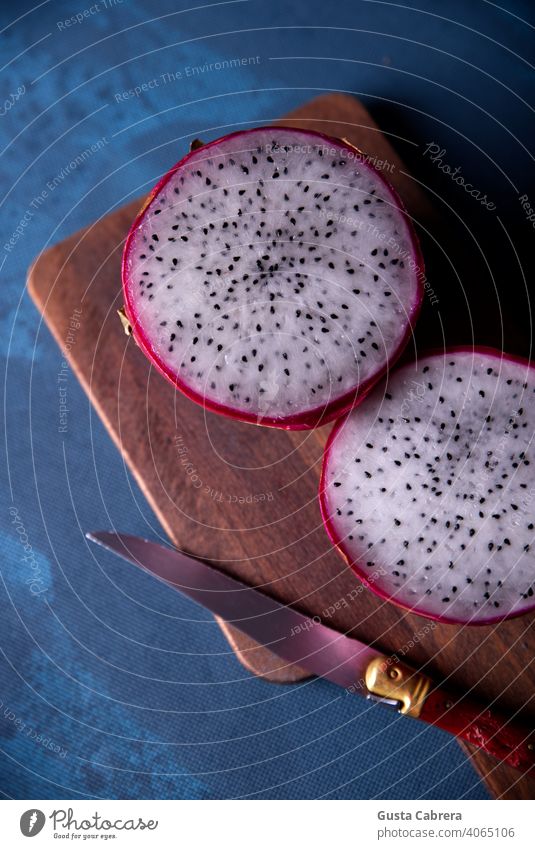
(310, 418)
(339, 545)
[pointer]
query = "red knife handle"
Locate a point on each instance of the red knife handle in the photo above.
(390, 680)
(506, 739)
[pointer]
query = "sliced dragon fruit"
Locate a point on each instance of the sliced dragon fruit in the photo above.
(427, 488)
(273, 276)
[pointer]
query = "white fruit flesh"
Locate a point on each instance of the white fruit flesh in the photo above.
(273, 273)
(430, 490)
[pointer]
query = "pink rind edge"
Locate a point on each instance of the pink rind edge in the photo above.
(318, 415)
(329, 528)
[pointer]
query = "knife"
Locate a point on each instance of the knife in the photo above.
(327, 653)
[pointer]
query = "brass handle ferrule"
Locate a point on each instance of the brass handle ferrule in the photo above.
(391, 679)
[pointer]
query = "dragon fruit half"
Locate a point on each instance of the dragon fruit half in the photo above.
(428, 491)
(273, 276)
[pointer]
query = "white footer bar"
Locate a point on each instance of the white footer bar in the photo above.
(252, 824)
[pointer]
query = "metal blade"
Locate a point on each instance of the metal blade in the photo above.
(289, 634)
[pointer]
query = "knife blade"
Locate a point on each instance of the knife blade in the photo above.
(325, 652)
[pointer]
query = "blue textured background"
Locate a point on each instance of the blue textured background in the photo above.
(141, 699)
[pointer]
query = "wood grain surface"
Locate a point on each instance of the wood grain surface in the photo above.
(250, 505)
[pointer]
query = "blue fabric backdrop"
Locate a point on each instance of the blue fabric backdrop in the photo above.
(109, 695)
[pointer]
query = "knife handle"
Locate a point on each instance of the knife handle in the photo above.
(505, 739)
(391, 681)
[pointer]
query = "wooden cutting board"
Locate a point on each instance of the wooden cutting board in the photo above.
(245, 497)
